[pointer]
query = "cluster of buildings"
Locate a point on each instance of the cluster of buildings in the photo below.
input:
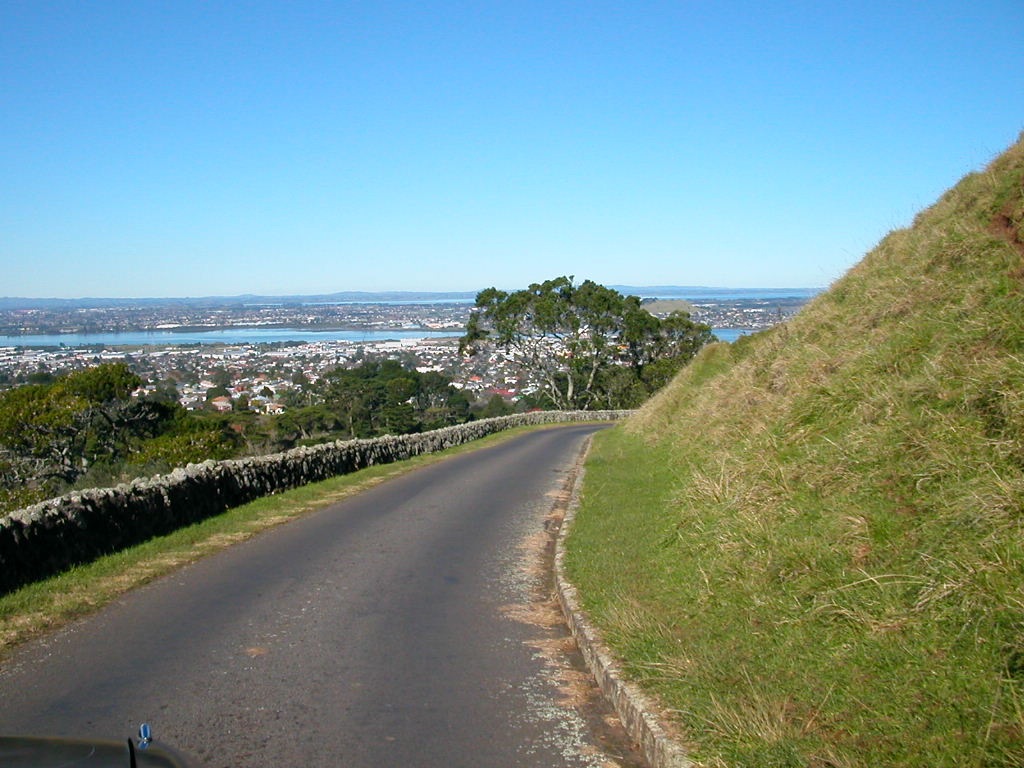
(267, 378)
(749, 313)
(271, 377)
(752, 316)
(173, 317)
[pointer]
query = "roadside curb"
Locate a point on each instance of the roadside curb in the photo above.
(634, 708)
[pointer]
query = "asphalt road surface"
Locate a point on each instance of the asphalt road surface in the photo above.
(375, 632)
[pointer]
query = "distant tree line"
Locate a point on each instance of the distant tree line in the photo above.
(374, 398)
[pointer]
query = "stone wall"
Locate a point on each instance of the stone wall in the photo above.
(48, 537)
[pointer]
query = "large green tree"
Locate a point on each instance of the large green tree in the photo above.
(382, 396)
(88, 427)
(586, 346)
(40, 429)
(55, 431)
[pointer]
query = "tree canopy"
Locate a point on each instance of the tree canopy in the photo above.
(92, 427)
(585, 346)
(380, 397)
(54, 434)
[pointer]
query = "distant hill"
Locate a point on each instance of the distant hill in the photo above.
(220, 301)
(810, 545)
(663, 307)
(14, 302)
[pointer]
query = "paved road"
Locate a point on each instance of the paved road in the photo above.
(371, 633)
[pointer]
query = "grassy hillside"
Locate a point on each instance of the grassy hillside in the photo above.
(811, 544)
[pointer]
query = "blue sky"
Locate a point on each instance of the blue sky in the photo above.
(197, 148)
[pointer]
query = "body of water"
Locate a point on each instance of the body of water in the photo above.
(708, 294)
(712, 294)
(741, 295)
(388, 302)
(245, 336)
(730, 334)
(224, 336)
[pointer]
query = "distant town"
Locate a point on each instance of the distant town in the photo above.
(123, 319)
(266, 377)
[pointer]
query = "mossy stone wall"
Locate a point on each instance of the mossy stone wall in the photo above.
(50, 536)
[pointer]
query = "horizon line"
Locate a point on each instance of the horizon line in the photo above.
(388, 292)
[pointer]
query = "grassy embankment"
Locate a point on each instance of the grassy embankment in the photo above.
(48, 604)
(810, 546)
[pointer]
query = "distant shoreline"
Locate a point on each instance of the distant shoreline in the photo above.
(230, 336)
(312, 328)
(693, 292)
(289, 336)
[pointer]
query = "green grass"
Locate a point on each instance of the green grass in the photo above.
(810, 546)
(48, 604)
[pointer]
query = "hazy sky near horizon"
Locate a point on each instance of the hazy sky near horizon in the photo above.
(198, 148)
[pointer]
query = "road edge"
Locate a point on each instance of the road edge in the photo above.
(634, 708)
(42, 618)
